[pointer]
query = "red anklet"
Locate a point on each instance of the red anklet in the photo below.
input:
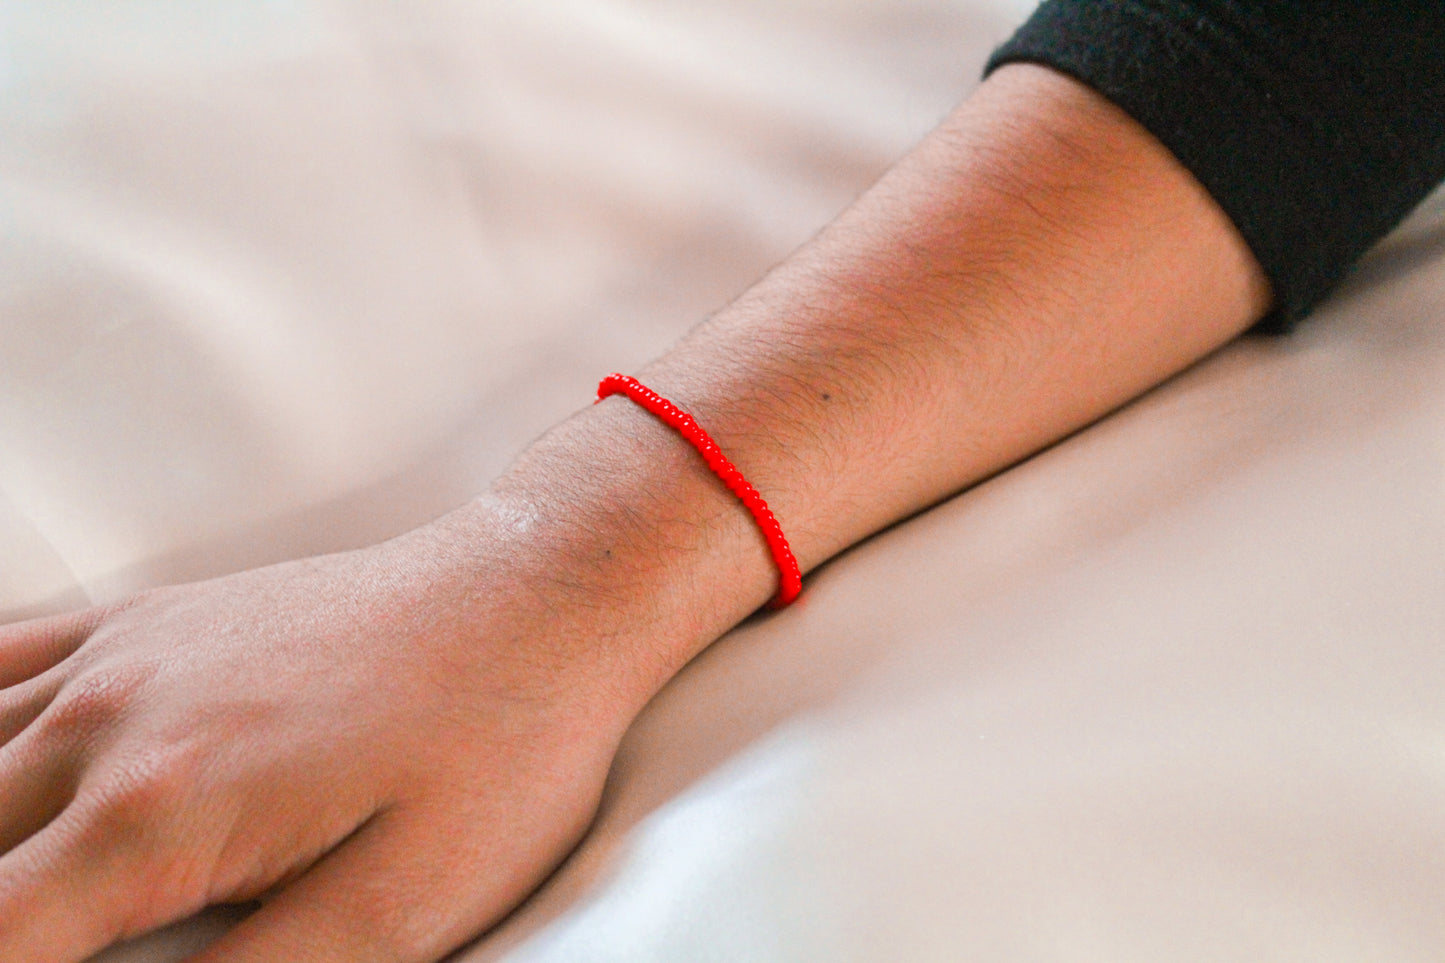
(791, 577)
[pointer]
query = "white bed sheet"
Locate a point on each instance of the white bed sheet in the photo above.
(291, 277)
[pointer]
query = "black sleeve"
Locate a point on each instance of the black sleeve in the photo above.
(1315, 124)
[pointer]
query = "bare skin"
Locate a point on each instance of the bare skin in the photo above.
(394, 746)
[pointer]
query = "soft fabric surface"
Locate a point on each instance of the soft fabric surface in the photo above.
(282, 278)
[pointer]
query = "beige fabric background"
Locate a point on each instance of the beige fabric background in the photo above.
(279, 278)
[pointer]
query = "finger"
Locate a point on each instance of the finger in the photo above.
(380, 897)
(30, 648)
(63, 892)
(21, 704)
(40, 767)
(37, 781)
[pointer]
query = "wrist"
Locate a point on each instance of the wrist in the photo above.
(614, 528)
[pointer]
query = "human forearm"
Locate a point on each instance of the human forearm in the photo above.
(1036, 262)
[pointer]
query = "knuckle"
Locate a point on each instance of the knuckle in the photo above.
(144, 790)
(142, 812)
(24, 699)
(89, 705)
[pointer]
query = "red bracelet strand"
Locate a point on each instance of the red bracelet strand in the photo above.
(791, 577)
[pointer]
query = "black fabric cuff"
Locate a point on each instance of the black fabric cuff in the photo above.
(1316, 126)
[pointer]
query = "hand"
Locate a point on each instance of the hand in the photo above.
(390, 748)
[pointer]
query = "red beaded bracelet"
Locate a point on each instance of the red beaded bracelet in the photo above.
(791, 576)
